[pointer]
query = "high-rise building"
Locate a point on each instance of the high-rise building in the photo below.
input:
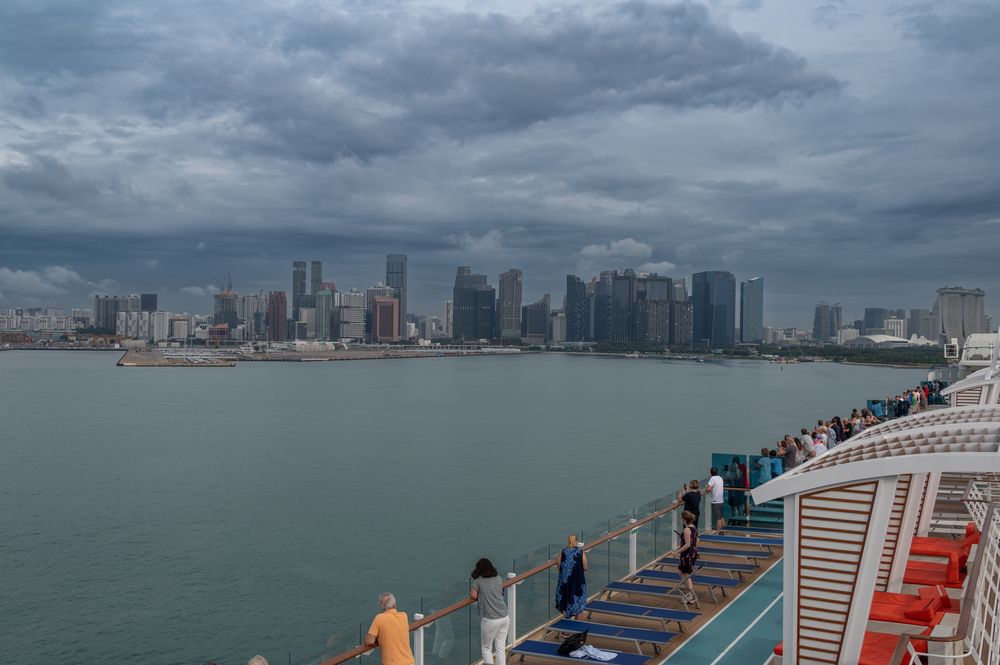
(324, 314)
(509, 304)
(603, 306)
(836, 318)
(315, 277)
(277, 316)
(896, 327)
(385, 319)
(557, 327)
(752, 311)
(224, 308)
(821, 322)
(916, 321)
(298, 286)
(535, 321)
(379, 290)
(395, 278)
(874, 320)
(624, 294)
(681, 323)
(680, 290)
(579, 308)
(652, 309)
(449, 320)
(714, 301)
(960, 313)
(349, 315)
(147, 302)
(474, 309)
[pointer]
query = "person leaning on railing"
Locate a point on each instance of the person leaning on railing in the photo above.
(390, 631)
(494, 620)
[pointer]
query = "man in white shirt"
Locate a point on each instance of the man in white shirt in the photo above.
(807, 444)
(715, 488)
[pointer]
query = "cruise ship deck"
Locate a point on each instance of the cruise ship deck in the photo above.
(884, 550)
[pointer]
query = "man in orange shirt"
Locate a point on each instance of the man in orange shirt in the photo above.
(391, 632)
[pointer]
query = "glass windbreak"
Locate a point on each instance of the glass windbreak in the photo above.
(734, 469)
(618, 550)
(452, 639)
(535, 595)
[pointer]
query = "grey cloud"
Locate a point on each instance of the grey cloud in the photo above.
(955, 26)
(49, 177)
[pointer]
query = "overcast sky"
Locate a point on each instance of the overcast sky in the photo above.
(845, 150)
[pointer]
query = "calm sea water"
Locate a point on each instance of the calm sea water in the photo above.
(160, 516)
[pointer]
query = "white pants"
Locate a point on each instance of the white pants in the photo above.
(493, 636)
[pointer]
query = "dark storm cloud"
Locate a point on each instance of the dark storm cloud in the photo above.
(46, 176)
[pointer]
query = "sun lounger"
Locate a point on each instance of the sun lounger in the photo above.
(764, 543)
(550, 650)
(649, 590)
(928, 573)
(763, 531)
(748, 555)
(661, 614)
(637, 636)
(710, 581)
(957, 550)
(738, 568)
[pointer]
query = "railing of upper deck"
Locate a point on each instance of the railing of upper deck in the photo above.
(445, 626)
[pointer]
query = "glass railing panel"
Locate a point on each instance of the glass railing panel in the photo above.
(645, 540)
(598, 557)
(618, 549)
(453, 639)
(535, 595)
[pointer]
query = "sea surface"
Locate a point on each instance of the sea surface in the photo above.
(180, 515)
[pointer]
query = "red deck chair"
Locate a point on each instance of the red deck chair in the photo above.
(948, 549)
(877, 649)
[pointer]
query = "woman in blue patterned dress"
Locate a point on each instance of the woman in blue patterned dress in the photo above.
(571, 592)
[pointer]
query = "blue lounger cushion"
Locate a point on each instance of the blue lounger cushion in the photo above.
(614, 632)
(635, 587)
(551, 650)
(640, 611)
(743, 554)
(713, 565)
(741, 540)
(670, 576)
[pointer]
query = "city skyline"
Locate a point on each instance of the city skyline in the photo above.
(144, 155)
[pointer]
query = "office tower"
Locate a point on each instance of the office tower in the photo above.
(714, 301)
(147, 302)
(535, 321)
(821, 322)
(379, 290)
(307, 316)
(752, 311)
(277, 316)
(895, 327)
(578, 310)
(349, 315)
(324, 314)
(298, 286)
(474, 309)
(385, 319)
(224, 309)
(509, 304)
(652, 309)
(134, 303)
(836, 318)
(449, 320)
(395, 278)
(960, 313)
(681, 324)
(603, 308)
(557, 327)
(680, 290)
(315, 277)
(916, 321)
(623, 299)
(874, 321)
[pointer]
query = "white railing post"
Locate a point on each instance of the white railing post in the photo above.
(674, 544)
(512, 610)
(633, 548)
(418, 641)
(706, 511)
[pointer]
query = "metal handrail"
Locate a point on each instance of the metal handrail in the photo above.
(520, 577)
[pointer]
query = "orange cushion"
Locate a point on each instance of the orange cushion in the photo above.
(877, 649)
(938, 592)
(924, 611)
(928, 573)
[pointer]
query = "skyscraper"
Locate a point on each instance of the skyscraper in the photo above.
(509, 304)
(225, 305)
(960, 313)
(752, 311)
(714, 301)
(652, 309)
(277, 316)
(449, 318)
(821, 322)
(316, 277)
(623, 298)
(836, 318)
(147, 302)
(324, 314)
(298, 286)
(603, 298)
(395, 278)
(875, 319)
(681, 323)
(578, 310)
(474, 309)
(385, 319)
(535, 321)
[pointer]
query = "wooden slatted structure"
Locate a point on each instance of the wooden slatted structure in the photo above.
(850, 515)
